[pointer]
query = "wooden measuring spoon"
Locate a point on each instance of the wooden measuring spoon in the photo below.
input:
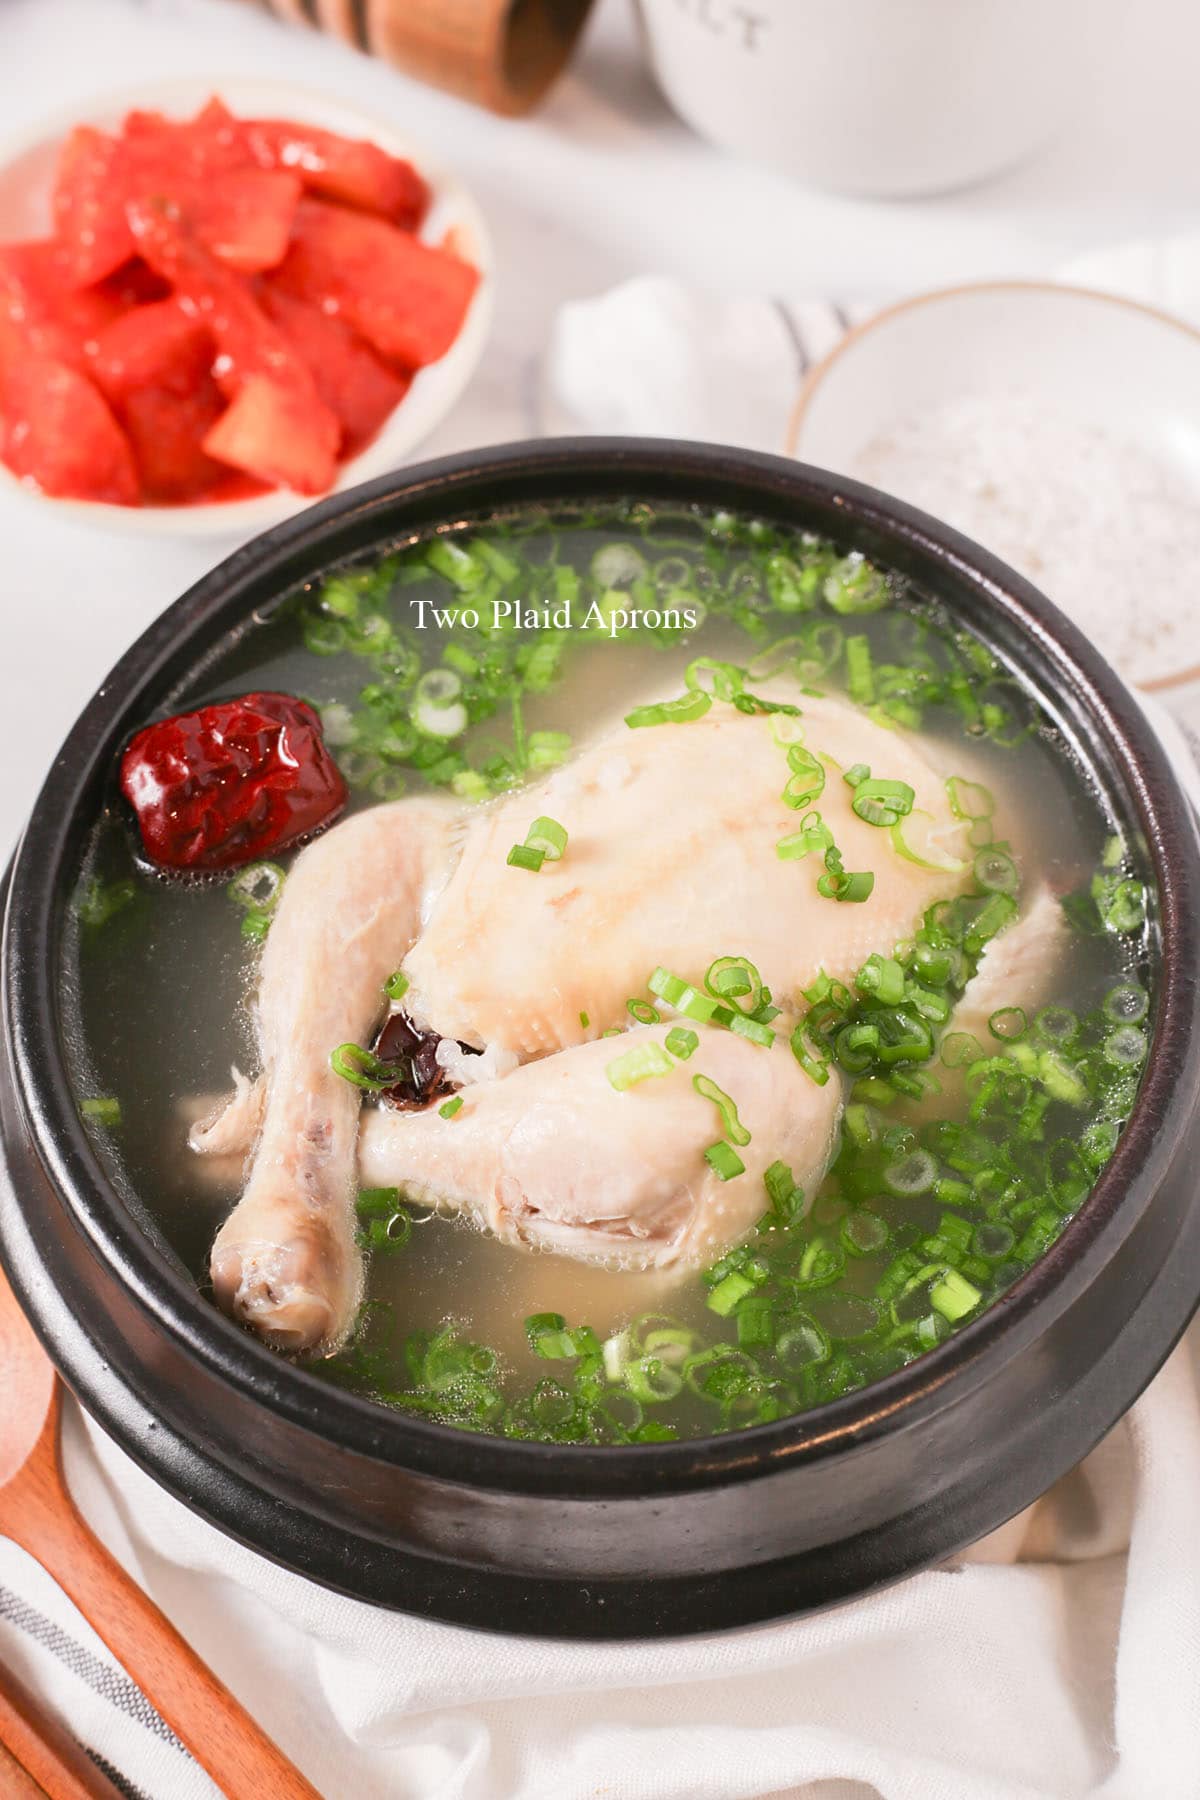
(38, 1513)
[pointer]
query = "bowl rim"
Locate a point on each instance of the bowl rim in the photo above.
(939, 1378)
(815, 377)
(255, 513)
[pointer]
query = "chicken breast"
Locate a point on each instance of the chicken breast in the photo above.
(285, 1260)
(553, 1156)
(671, 859)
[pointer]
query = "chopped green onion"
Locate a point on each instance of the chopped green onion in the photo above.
(1121, 903)
(731, 1125)
(996, 872)
(365, 1070)
(880, 802)
(864, 1233)
(883, 977)
(854, 585)
(1057, 1025)
(724, 1160)
(396, 986)
(815, 1067)
(255, 925)
(806, 782)
(1009, 1022)
(755, 1031)
(969, 799)
(1061, 1079)
(548, 836)
(584, 1020)
(651, 1381)
(912, 1174)
(642, 1012)
(931, 855)
(728, 1292)
(860, 676)
(638, 1064)
(726, 680)
(451, 1107)
(857, 887)
(735, 978)
(692, 705)
(681, 1042)
(1126, 1048)
(97, 901)
(102, 1110)
(800, 1345)
(617, 565)
(525, 856)
(1126, 1004)
(954, 1296)
(257, 888)
(997, 911)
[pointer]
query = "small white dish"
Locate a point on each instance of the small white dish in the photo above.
(1098, 360)
(26, 177)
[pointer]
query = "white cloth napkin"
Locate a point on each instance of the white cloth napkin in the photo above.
(1060, 1660)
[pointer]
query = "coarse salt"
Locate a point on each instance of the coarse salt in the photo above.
(1108, 530)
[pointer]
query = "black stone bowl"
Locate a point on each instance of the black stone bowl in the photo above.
(607, 1542)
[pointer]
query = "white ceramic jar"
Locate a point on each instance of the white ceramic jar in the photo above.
(873, 97)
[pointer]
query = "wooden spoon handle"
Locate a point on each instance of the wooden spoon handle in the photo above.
(219, 1732)
(36, 1744)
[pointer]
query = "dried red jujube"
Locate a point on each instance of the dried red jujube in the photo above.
(230, 783)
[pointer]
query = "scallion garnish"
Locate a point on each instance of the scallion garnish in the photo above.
(548, 836)
(681, 1042)
(969, 799)
(806, 782)
(692, 705)
(731, 1125)
(451, 1107)
(642, 1012)
(366, 1070)
(103, 1110)
(724, 1161)
(525, 856)
(96, 901)
(638, 1064)
(396, 985)
(930, 855)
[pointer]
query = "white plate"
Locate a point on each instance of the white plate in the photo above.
(26, 176)
(1098, 360)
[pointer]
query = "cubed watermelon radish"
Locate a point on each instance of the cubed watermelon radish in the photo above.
(134, 284)
(159, 345)
(167, 432)
(271, 432)
(247, 341)
(41, 313)
(89, 222)
(350, 378)
(406, 297)
(246, 217)
(154, 367)
(349, 170)
(212, 144)
(57, 432)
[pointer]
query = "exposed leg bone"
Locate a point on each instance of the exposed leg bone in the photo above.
(285, 1261)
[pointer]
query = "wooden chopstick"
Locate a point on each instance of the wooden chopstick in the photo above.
(39, 1759)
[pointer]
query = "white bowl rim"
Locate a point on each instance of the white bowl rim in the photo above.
(815, 377)
(241, 519)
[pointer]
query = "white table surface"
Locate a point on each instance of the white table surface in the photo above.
(602, 184)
